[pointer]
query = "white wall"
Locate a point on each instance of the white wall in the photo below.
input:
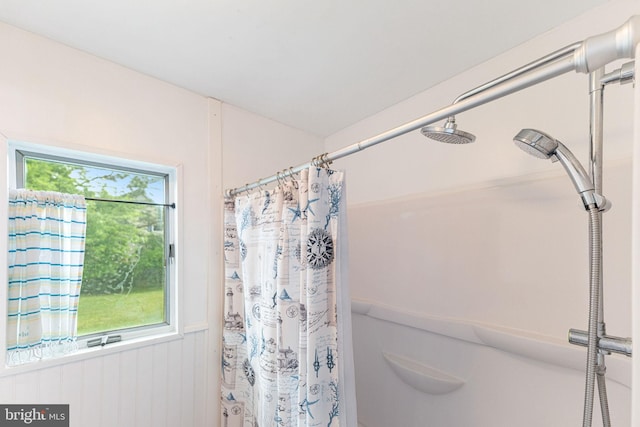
(256, 147)
(55, 95)
(458, 240)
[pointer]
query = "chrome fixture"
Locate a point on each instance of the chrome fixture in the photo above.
(606, 343)
(584, 57)
(598, 343)
(623, 75)
(449, 133)
(542, 146)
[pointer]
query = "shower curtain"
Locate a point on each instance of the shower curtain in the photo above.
(287, 357)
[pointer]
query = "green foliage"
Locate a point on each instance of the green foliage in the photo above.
(52, 176)
(124, 249)
(117, 239)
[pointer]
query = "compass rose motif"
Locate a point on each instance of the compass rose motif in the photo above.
(319, 249)
(249, 372)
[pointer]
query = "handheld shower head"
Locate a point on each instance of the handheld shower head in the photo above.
(543, 146)
(536, 143)
(449, 133)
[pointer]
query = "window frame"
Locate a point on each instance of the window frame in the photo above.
(142, 335)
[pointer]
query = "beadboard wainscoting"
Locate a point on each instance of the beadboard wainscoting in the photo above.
(157, 385)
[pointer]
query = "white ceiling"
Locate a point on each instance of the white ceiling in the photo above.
(315, 65)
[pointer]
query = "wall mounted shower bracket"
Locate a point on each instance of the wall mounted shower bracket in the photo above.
(595, 199)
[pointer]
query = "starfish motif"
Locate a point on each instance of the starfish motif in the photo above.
(308, 207)
(305, 406)
(297, 213)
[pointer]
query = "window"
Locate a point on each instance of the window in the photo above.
(127, 283)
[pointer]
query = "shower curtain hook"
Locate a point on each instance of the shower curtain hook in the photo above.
(294, 181)
(321, 161)
(281, 179)
(325, 161)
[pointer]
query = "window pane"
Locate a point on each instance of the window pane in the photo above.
(93, 181)
(124, 277)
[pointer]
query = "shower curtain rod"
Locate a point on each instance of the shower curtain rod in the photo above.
(584, 57)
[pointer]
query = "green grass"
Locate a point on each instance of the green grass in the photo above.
(98, 313)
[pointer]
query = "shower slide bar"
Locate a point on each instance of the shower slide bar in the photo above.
(583, 57)
(607, 343)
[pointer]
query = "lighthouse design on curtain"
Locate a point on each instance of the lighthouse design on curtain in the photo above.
(283, 352)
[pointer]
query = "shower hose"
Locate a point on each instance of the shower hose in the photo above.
(595, 367)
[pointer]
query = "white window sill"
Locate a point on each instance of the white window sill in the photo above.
(98, 351)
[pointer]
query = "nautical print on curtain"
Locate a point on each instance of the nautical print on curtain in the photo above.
(46, 256)
(287, 357)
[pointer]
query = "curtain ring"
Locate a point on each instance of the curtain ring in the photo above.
(291, 175)
(321, 161)
(293, 180)
(325, 161)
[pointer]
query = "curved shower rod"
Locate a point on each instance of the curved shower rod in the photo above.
(583, 57)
